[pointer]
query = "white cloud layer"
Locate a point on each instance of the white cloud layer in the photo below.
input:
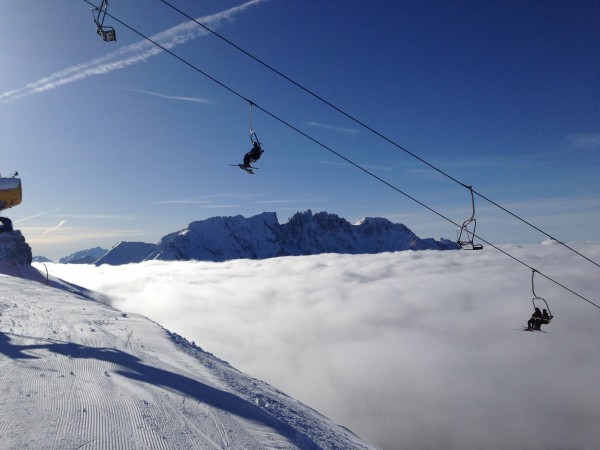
(409, 349)
(56, 227)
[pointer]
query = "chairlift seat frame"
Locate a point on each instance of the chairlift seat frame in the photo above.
(468, 244)
(108, 34)
(545, 320)
(470, 235)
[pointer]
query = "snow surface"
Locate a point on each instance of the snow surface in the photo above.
(79, 374)
(415, 349)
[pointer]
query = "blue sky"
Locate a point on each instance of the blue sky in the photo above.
(131, 144)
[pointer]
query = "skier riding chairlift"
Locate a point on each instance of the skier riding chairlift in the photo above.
(255, 152)
(538, 318)
(253, 155)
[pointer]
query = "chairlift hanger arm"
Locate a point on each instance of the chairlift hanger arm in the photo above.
(535, 296)
(533, 271)
(107, 33)
(250, 120)
(99, 13)
(254, 138)
(253, 135)
(470, 235)
(470, 188)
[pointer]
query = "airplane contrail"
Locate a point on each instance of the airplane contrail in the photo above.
(36, 215)
(60, 224)
(349, 131)
(129, 54)
(173, 97)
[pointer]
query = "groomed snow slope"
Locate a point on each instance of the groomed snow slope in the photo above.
(78, 374)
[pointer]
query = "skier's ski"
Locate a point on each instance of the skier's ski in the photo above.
(246, 168)
(531, 329)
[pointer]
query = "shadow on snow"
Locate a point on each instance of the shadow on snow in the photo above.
(132, 367)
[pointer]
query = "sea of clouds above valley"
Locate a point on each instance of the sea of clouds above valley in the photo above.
(407, 349)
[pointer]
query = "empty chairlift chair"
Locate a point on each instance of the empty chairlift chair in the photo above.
(467, 243)
(107, 33)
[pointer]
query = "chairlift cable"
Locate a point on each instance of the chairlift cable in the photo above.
(331, 150)
(536, 228)
(372, 130)
(251, 128)
(250, 117)
(533, 271)
(549, 278)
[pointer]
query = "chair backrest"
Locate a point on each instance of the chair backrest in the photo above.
(546, 320)
(108, 34)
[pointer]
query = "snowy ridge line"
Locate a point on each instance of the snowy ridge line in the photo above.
(223, 373)
(28, 272)
(267, 401)
(262, 236)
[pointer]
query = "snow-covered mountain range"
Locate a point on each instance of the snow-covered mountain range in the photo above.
(77, 373)
(89, 256)
(262, 236)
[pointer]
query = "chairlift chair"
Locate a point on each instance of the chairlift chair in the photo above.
(545, 320)
(468, 244)
(107, 33)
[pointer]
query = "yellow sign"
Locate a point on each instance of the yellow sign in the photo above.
(10, 192)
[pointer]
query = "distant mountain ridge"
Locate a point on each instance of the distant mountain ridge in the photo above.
(224, 238)
(89, 256)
